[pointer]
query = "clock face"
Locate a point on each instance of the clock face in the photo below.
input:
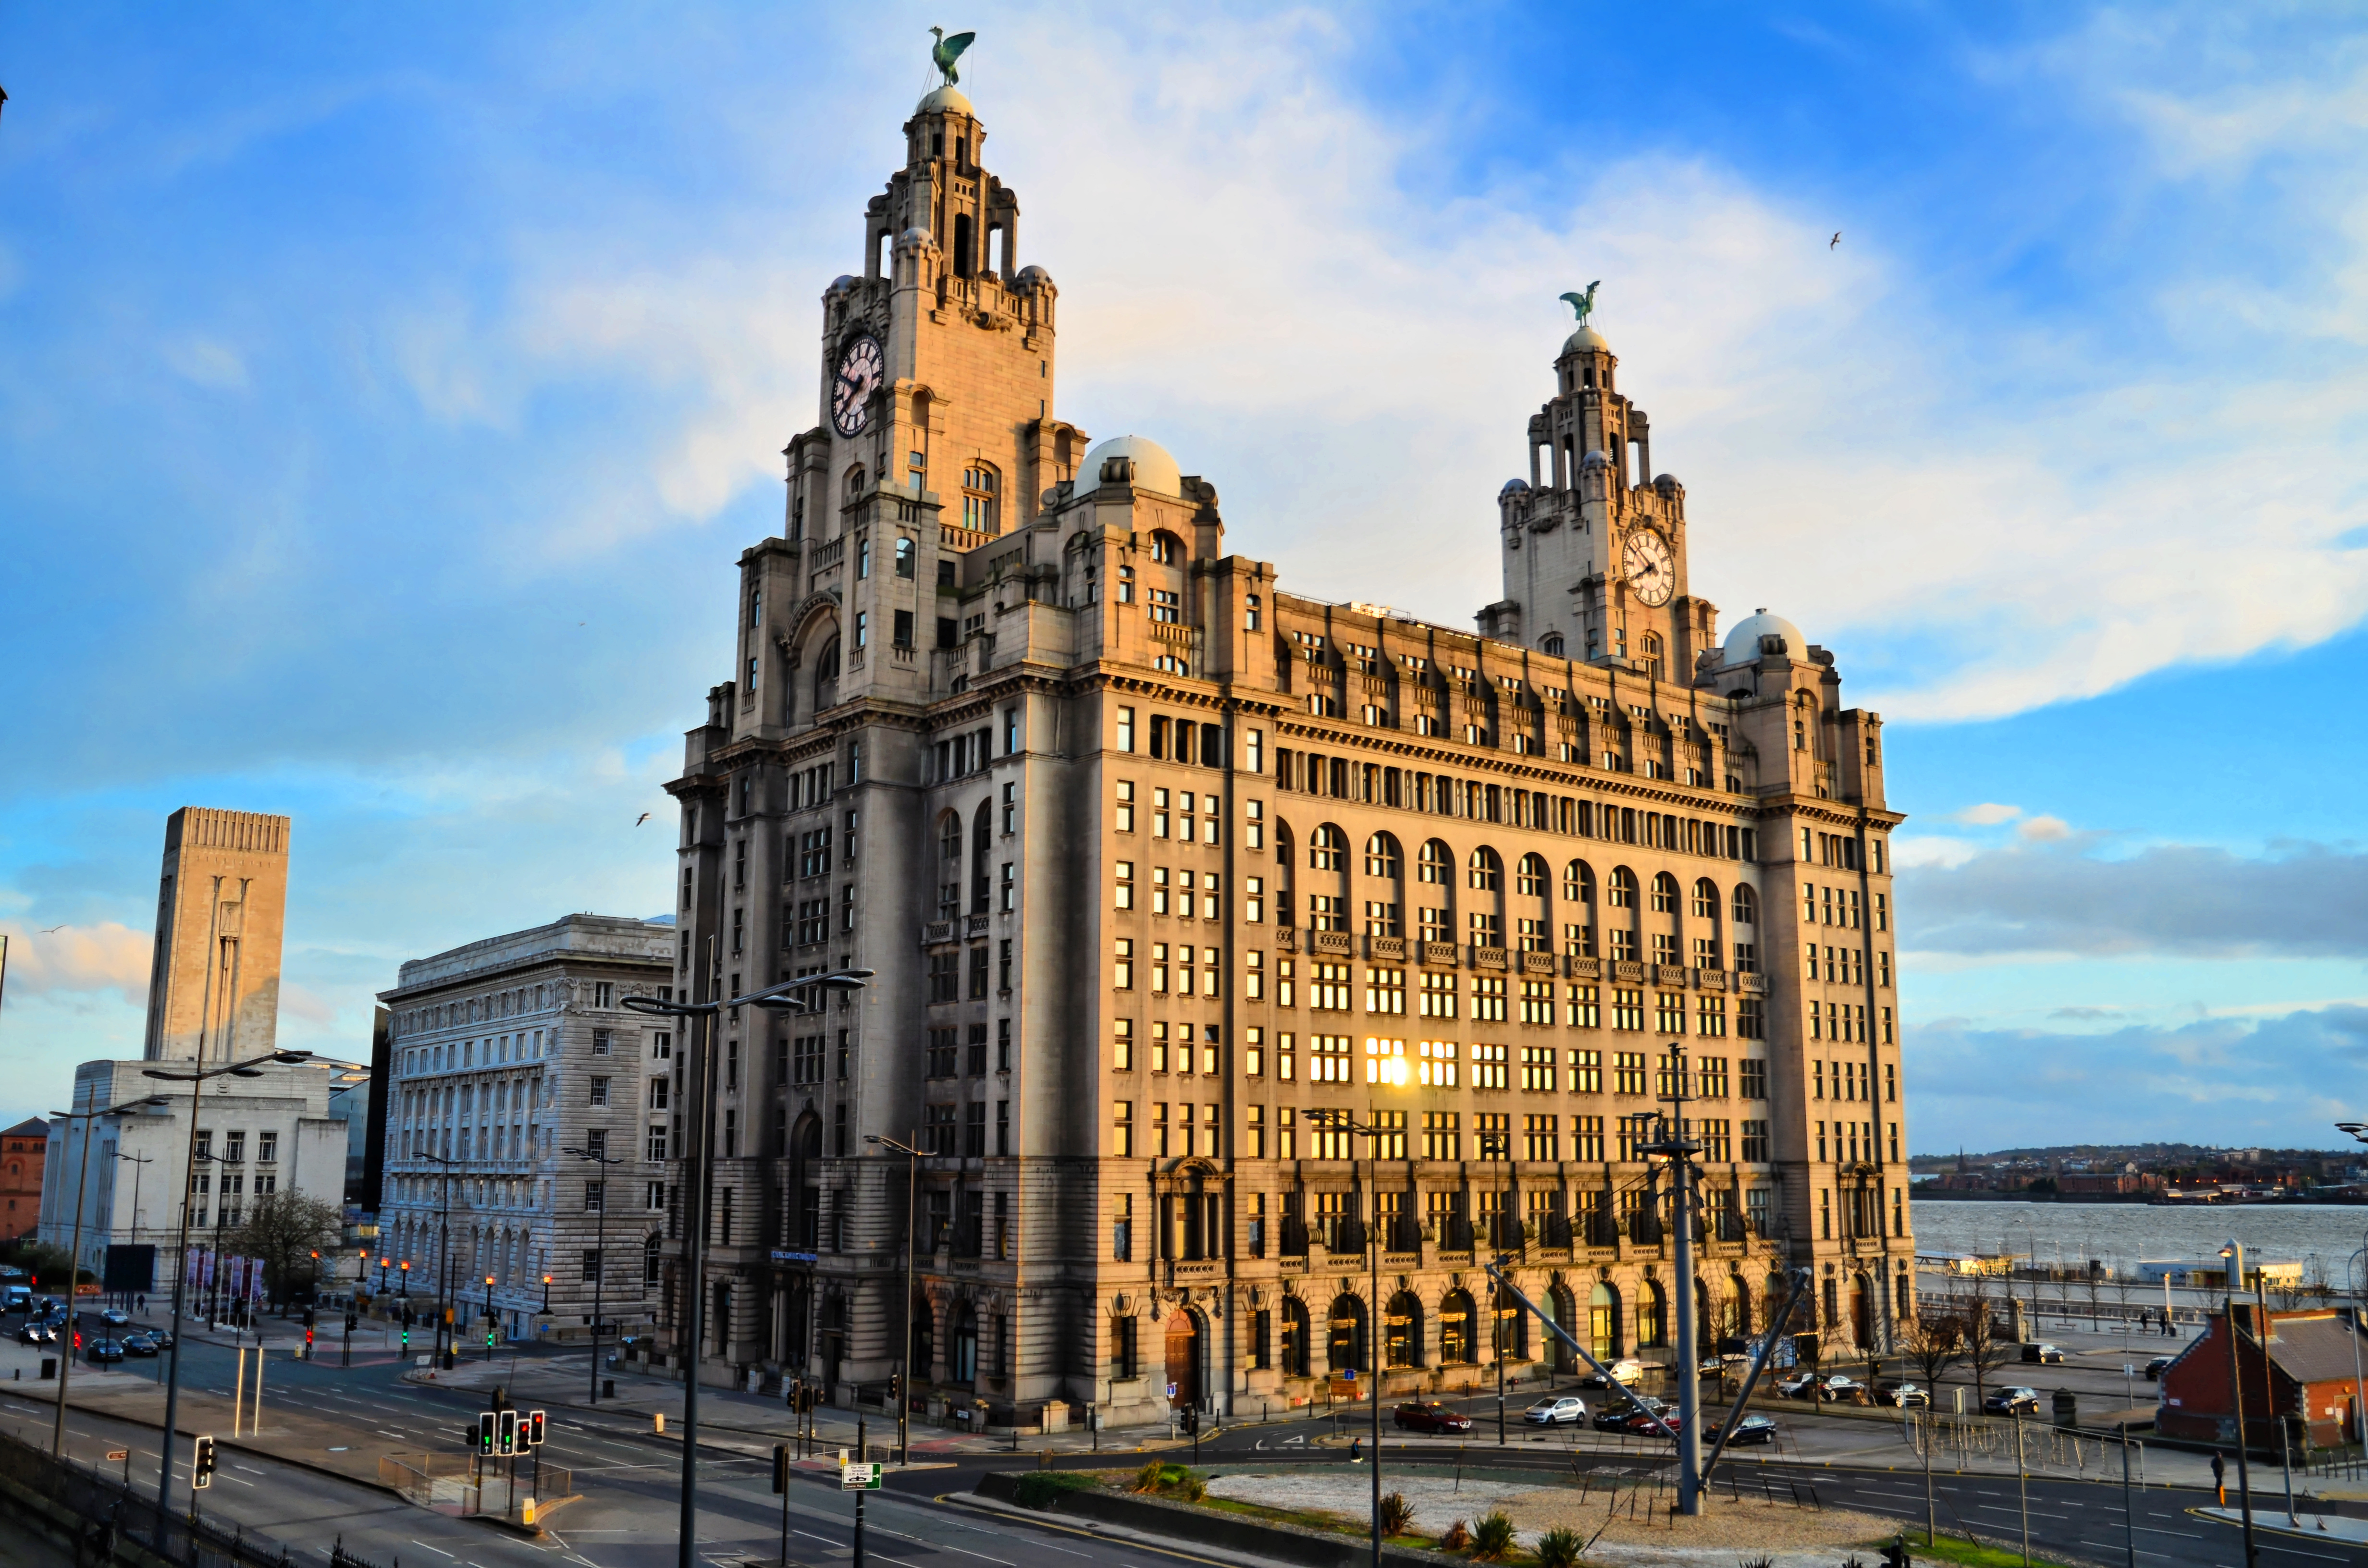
(1651, 570)
(859, 372)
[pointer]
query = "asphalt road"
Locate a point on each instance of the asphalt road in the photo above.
(629, 1479)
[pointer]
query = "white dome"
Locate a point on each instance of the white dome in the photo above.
(1153, 470)
(1586, 337)
(1743, 641)
(945, 100)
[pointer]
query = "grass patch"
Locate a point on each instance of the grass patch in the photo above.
(1042, 1488)
(1972, 1553)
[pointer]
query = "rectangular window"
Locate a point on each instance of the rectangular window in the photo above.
(1123, 1046)
(1121, 966)
(1488, 999)
(1539, 1141)
(1254, 1133)
(1385, 990)
(1123, 1136)
(1628, 1072)
(1586, 1071)
(1585, 1008)
(1750, 1019)
(1627, 1010)
(1126, 729)
(1436, 1064)
(1327, 1058)
(1490, 1069)
(1538, 1002)
(600, 1091)
(1710, 1016)
(1669, 1012)
(1327, 987)
(1538, 1071)
(1284, 1059)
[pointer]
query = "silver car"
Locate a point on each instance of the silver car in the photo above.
(1568, 1410)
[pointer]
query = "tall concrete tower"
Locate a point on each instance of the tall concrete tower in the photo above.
(214, 990)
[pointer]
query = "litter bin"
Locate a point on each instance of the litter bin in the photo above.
(49, 1367)
(2068, 1408)
(608, 1388)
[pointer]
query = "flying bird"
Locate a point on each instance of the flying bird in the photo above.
(52, 930)
(946, 51)
(643, 818)
(1834, 241)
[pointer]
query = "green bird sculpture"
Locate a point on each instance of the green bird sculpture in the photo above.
(946, 51)
(1584, 303)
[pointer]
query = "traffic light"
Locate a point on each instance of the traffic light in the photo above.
(202, 1465)
(534, 1429)
(896, 1389)
(485, 1432)
(506, 1433)
(780, 1468)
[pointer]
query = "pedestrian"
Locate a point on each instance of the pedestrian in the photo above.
(1356, 1450)
(2220, 1479)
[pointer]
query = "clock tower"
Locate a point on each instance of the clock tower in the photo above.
(1594, 547)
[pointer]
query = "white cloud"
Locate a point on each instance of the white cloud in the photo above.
(104, 956)
(1988, 814)
(2043, 830)
(1930, 849)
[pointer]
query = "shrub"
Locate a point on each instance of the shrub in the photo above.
(1397, 1514)
(1559, 1548)
(1755, 1563)
(1187, 1485)
(1456, 1539)
(1492, 1538)
(1042, 1488)
(1149, 1477)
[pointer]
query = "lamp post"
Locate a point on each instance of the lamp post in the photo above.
(912, 1232)
(2236, 1256)
(806, 994)
(2359, 1131)
(195, 1078)
(600, 1253)
(1390, 1070)
(1674, 1144)
(445, 1348)
(73, 1260)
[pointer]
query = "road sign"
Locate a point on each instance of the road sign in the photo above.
(1171, 1391)
(860, 1477)
(119, 1453)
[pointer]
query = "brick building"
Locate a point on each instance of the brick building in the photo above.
(22, 1149)
(1155, 858)
(2314, 1358)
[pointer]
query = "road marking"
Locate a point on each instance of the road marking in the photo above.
(437, 1550)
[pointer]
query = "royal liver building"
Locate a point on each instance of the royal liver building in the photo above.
(1155, 860)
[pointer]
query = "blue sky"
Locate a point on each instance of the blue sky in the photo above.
(383, 400)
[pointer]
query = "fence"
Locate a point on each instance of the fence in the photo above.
(1952, 1439)
(464, 1487)
(106, 1514)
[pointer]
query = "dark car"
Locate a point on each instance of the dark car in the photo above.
(2007, 1401)
(1430, 1415)
(37, 1334)
(2156, 1368)
(1903, 1395)
(115, 1317)
(162, 1338)
(138, 1344)
(103, 1351)
(2046, 1355)
(1752, 1429)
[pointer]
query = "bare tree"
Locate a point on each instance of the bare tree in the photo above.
(289, 1231)
(1932, 1344)
(1984, 1349)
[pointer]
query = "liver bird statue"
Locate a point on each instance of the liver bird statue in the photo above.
(946, 51)
(1584, 303)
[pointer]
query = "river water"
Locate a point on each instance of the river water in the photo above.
(2121, 1235)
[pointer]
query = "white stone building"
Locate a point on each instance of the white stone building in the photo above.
(505, 1053)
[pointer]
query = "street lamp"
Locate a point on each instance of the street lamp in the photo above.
(446, 1349)
(74, 1257)
(490, 1319)
(195, 1078)
(1672, 1143)
(1374, 1327)
(806, 994)
(912, 1232)
(600, 1270)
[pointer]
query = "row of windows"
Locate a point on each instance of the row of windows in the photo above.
(1432, 1063)
(1544, 1138)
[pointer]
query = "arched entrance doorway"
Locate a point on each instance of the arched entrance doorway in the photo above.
(1456, 1338)
(1862, 1312)
(1346, 1350)
(1402, 1330)
(1183, 1360)
(1297, 1345)
(962, 1348)
(1560, 1302)
(1603, 1322)
(1652, 1316)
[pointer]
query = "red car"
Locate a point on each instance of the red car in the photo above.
(1429, 1415)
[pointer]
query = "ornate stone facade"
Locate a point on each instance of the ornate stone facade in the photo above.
(1154, 858)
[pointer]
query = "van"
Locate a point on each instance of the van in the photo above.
(16, 1298)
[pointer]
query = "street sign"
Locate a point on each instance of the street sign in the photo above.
(781, 1257)
(119, 1453)
(1171, 1391)
(860, 1477)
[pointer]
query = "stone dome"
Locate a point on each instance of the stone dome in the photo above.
(1154, 470)
(1743, 643)
(945, 100)
(1514, 486)
(918, 234)
(1586, 338)
(1033, 277)
(1598, 458)
(841, 283)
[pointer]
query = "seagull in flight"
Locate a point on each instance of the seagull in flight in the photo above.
(643, 818)
(1834, 241)
(52, 930)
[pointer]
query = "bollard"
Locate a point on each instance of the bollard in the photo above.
(661, 1423)
(608, 1388)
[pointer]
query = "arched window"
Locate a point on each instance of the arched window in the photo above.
(1166, 547)
(856, 479)
(950, 838)
(1665, 894)
(980, 839)
(1381, 856)
(1328, 850)
(1487, 872)
(1294, 1347)
(1531, 876)
(1434, 861)
(1624, 888)
(1402, 1330)
(1513, 1328)
(1649, 650)
(1578, 882)
(1551, 644)
(961, 1364)
(1457, 1338)
(982, 488)
(1603, 1322)
(1705, 899)
(825, 676)
(1347, 1345)
(905, 552)
(1746, 905)
(1652, 1316)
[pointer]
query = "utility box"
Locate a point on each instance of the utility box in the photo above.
(2068, 1408)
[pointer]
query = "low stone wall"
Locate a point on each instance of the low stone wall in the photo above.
(1210, 1527)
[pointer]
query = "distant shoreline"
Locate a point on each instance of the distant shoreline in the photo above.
(2131, 1199)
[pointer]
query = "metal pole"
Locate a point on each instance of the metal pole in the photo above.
(2359, 1387)
(600, 1279)
(2270, 1389)
(2022, 1487)
(862, 1455)
(2129, 1520)
(1688, 1350)
(73, 1276)
(1374, 1332)
(180, 1280)
(2244, 1471)
(694, 1273)
(905, 1355)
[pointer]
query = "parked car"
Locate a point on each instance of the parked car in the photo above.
(103, 1351)
(1903, 1395)
(2007, 1401)
(1430, 1415)
(1840, 1389)
(138, 1344)
(1642, 1422)
(1568, 1409)
(115, 1317)
(2156, 1368)
(1751, 1429)
(1613, 1415)
(1800, 1385)
(37, 1334)
(2046, 1355)
(1624, 1372)
(162, 1338)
